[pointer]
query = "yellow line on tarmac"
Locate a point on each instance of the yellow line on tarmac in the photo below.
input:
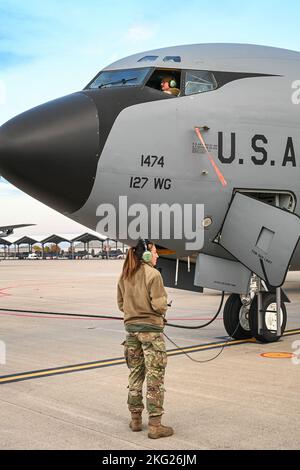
(60, 370)
(291, 332)
(119, 361)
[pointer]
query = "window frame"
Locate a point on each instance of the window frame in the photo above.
(167, 70)
(183, 76)
(147, 76)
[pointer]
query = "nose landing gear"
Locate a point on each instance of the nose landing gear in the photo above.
(255, 316)
(268, 332)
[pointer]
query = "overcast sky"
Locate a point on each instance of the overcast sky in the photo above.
(51, 48)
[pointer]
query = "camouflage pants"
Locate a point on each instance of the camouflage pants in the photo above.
(146, 357)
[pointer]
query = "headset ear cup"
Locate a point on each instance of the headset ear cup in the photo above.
(147, 256)
(173, 83)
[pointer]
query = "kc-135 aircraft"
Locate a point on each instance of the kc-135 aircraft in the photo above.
(228, 139)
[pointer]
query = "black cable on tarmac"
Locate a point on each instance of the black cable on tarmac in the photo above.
(121, 318)
(112, 317)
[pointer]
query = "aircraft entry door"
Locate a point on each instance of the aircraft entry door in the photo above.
(262, 237)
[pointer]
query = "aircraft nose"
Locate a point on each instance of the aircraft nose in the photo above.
(51, 151)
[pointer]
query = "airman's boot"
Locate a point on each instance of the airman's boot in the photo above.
(157, 430)
(136, 422)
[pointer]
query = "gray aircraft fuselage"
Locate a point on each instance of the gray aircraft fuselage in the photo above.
(96, 141)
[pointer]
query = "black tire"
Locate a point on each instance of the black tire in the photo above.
(231, 318)
(268, 336)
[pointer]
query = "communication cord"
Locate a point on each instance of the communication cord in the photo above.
(206, 360)
(199, 327)
(183, 327)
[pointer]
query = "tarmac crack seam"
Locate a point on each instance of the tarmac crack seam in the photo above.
(111, 436)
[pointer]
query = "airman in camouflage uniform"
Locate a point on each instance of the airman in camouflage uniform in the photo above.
(146, 356)
(143, 299)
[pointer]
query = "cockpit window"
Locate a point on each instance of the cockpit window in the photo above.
(120, 78)
(172, 77)
(148, 58)
(172, 58)
(199, 81)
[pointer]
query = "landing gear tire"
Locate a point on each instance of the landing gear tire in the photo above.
(269, 326)
(236, 319)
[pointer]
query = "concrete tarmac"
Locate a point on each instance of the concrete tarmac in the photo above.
(63, 385)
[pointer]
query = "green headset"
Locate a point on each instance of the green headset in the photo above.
(173, 83)
(147, 255)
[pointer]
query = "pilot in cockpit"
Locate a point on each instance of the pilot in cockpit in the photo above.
(169, 85)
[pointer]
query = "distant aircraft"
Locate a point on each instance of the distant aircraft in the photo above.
(7, 230)
(228, 139)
